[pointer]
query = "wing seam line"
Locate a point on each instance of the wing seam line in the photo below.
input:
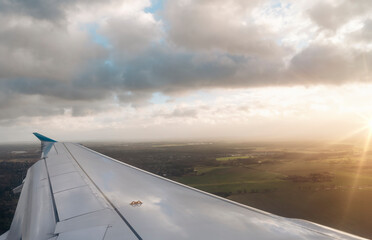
(68, 189)
(51, 192)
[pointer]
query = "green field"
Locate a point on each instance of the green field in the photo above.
(232, 158)
(327, 187)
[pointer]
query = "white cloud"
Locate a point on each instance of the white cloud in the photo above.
(282, 113)
(226, 26)
(93, 61)
(333, 14)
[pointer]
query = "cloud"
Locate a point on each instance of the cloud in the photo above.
(39, 9)
(218, 25)
(178, 112)
(333, 14)
(60, 11)
(81, 57)
(364, 34)
(131, 33)
(170, 70)
(323, 63)
(320, 63)
(33, 49)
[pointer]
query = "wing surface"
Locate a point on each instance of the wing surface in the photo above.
(76, 193)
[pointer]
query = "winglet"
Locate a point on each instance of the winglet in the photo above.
(43, 138)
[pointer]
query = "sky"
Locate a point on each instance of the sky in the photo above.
(159, 70)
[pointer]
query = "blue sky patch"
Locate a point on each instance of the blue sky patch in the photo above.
(155, 6)
(159, 98)
(92, 28)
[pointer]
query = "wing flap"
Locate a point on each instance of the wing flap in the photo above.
(105, 217)
(34, 217)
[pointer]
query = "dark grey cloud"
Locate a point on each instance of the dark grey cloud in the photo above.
(41, 50)
(50, 88)
(15, 105)
(170, 70)
(330, 64)
(323, 63)
(48, 10)
(178, 112)
(40, 9)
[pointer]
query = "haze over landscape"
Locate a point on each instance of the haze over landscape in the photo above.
(169, 70)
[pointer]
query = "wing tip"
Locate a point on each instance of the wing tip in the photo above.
(43, 138)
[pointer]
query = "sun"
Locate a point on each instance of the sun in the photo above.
(366, 122)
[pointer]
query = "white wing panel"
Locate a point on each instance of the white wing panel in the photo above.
(75, 202)
(67, 181)
(58, 169)
(57, 160)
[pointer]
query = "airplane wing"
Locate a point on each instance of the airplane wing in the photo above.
(73, 192)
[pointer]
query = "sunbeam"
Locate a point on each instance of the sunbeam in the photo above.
(357, 175)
